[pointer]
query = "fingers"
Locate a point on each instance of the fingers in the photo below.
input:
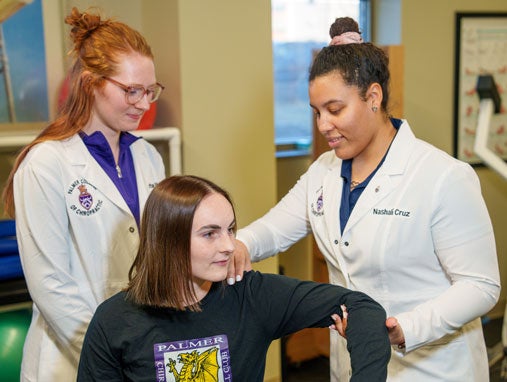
(396, 336)
(240, 263)
(340, 324)
(391, 323)
(344, 311)
(231, 272)
(247, 263)
(235, 271)
(345, 318)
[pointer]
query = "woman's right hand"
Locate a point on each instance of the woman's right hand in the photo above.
(396, 336)
(241, 263)
(340, 324)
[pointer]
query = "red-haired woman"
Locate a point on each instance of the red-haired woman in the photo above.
(77, 190)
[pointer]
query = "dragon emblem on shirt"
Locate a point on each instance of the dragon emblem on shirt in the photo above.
(197, 367)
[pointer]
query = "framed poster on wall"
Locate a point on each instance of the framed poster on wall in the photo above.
(480, 48)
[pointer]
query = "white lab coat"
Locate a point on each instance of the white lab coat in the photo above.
(419, 241)
(77, 239)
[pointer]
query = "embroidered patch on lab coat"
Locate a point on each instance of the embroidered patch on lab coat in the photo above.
(85, 199)
(318, 206)
(85, 204)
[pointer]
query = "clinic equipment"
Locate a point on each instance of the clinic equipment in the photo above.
(490, 104)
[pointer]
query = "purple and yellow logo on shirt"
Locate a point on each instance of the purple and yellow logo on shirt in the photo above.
(201, 359)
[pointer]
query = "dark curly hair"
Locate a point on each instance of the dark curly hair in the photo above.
(342, 25)
(358, 64)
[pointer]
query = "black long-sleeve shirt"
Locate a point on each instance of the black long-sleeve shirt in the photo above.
(229, 338)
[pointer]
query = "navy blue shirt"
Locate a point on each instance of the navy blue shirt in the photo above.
(123, 176)
(350, 198)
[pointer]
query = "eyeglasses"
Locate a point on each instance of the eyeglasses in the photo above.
(134, 93)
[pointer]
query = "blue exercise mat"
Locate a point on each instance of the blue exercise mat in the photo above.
(8, 246)
(10, 267)
(7, 228)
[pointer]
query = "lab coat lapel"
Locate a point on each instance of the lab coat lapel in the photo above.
(141, 158)
(333, 185)
(379, 187)
(79, 156)
(387, 177)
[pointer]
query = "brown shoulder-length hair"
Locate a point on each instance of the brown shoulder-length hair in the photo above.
(98, 48)
(161, 275)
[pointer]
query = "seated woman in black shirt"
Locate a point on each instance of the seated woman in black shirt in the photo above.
(178, 320)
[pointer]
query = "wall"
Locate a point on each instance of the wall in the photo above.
(297, 260)
(428, 33)
(161, 27)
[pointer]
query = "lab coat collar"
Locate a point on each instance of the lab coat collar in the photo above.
(382, 184)
(387, 177)
(403, 145)
(79, 156)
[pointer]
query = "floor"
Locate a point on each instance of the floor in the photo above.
(317, 370)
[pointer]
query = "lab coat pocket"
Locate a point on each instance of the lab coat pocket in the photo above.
(442, 360)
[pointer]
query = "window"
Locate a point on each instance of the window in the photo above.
(300, 27)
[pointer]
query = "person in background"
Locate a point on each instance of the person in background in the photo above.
(77, 190)
(177, 319)
(394, 217)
